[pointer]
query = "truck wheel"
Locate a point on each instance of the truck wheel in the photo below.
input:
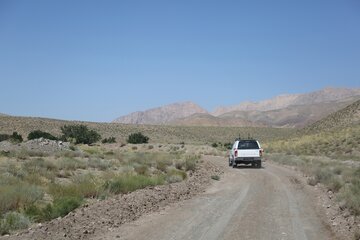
(234, 164)
(230, 163)
(253, 164)
(259, 164)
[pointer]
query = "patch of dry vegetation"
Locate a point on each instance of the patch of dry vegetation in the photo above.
(37, 189)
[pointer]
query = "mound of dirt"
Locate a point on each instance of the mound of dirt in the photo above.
(103, 216)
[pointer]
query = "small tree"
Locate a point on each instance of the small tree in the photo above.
(80, 134)
(16, 138)
(40, 134)
(137, 138)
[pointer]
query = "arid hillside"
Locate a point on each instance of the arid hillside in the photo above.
(205, 119)
(346, 117)
(160, 133)
(162, 114)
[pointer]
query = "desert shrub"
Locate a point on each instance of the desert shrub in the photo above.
(109, 140)
(4, 137)
(128, 183)
(214, 145)
(190, 163)
(15, 137)
(40, 134)
(175, 175)
(162, 164)
(150, 147)
(227, 145)
(180, 164)
(79, 134)
(59, 208)
(215, 177)
(13, 221)
(137, 138)
(63, 206)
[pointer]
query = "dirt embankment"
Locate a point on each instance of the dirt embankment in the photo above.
(103, 216)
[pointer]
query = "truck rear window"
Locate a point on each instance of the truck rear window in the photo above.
(248, 145)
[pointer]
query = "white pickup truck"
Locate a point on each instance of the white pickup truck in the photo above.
(246, 152)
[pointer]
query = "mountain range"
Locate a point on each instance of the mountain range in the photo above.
(290, 110)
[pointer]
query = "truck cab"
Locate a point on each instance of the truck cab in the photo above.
(246, 152)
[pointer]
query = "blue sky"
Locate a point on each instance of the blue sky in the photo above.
(97, 60)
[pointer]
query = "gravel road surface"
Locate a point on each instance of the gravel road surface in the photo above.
(247, 203)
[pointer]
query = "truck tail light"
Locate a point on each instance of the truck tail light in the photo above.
(261, 152)
(236, 153)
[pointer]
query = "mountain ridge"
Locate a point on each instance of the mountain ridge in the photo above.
(285, 110)
(162, 115)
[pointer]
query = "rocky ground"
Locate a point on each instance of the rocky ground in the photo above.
(37, 145)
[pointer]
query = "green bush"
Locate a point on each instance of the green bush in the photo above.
(59, 208)
(63, 206)
(109, 140)
(13, 221)
(214, 145)
(129, 183)
(79, 134)
(40, 134)
(15, 137)
(137, 138)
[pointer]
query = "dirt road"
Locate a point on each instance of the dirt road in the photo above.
(267, 203)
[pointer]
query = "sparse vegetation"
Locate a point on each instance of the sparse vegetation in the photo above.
(42, 188)
(137, 138)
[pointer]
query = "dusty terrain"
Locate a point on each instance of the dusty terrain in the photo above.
(268, 203)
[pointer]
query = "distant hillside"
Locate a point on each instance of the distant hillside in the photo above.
(205, 119)
(157, 134)
(162, 115)
(292, 116)
(346, 117)
(284, 101)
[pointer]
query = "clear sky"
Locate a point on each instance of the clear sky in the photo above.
(98, 60)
